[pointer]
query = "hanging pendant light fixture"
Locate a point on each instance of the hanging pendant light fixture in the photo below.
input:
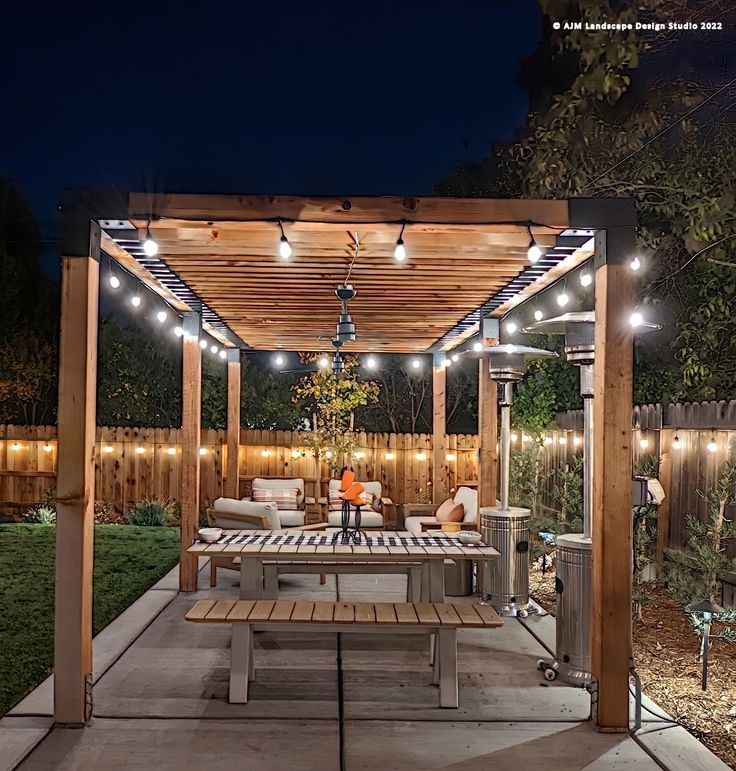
(533, 252)
(284, 245)
(150, 247)
(400, 249)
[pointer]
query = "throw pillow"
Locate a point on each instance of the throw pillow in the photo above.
(285, 500)
(450, 511)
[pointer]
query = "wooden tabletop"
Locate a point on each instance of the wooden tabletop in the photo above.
(376, 546)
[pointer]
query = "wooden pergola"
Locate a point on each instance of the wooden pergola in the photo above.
(218, 266)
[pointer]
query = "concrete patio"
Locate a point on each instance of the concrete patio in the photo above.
(160, 700)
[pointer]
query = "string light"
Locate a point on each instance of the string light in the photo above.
(161, 316)
(223, 354)
(538, 315)
(178, 331)
(47, 448)
(114, 280)
(477, 347)
(278, 360)
(643, 443)
(400, 248)
(563, 298)
(563, 440)
(548, 440)
(636, 319)
(511, 327)
(203, 451)
(202, 343)
(586, 279)
(359, 455)
(140, 450)
(635, 264)
(421, 456)
(371, 362)
(676, 443)
(514, 437)
(171, 451)
(577, 441)
(107, 449)
(265, 453)
(135, 300)
(214, 348)
(416, 363)
(295, 454)
(533, 252)
(323, 362)
(525, 437)
(150, 247)
(712, 445)
(328, 454)
(15, 447)
(450, 456)
(446, 362)
(284, 245)
(455, 357)
(389, 456)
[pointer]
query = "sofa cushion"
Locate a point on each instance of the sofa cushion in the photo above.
(469, 499)
(414, 524)
(368, 518)
(294, 518)
(449, 511)
(225, 506)
(282, 484)
(370, 487)
(285, 500)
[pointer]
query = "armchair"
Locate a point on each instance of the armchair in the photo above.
(376, 516)
(419, 517)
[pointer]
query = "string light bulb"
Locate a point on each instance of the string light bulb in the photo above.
(323, 362)
(563, 440)
(446, 362)
(203, 451)
(359, 455)
(538, 315)
(511, 327)
(371, 362)
(676, 443)
(223, 354)
(47, 447)
(15, 446)
(278, 360)
(161, 316)
(416, 363)
(107, 449)
(635, 264)
(455, 357)
(178, 331)
(114, 281)
(284, 245)
(171, 451)
(421, 456)
(477, 347)
(643, 443)
(214, 348)
(533, 252)
(712, 445)
(265, 453)
(150, 247)
(450, 456)
(202, 343)
(563, 298)
(140, 450)
(514, 437)
(577, 441)
(636, 319)
(548, 440)
(389, 456)
(586, 279)
(135, 300)
(400, 248)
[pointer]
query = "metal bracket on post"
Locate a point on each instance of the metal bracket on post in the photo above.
(490, 328)
(191, 324)
(233, 355)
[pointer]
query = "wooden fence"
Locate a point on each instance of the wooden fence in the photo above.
(133, 463)
(136, 462)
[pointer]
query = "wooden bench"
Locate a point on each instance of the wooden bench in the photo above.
(249, 616)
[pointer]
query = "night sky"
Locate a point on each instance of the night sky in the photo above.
(288, 97)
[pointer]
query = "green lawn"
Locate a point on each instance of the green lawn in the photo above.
(127, 561)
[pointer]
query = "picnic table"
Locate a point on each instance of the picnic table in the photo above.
(254, 547)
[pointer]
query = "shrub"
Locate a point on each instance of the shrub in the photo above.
(40, 515)
(150, 512)
(107, 514)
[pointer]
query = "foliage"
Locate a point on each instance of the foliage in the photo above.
(214, 393)
(127, 561)
(151, 512)
(692, 574)
(527, 478)
(424, 494)
(40, 515)
(568, 493)
(28, 378)
(267, 400)
(107, 514)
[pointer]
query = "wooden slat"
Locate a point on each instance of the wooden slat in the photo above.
(200, 610)
(323, 612)
(426, 613)
(262, 610)
(302, 611)
(385, 613)
(282, 610)
(241, 610)
(446, 614)
(405, 613)
(344, 612)
(365, 613)
(220, 610)
(488, 615)
(467, 614)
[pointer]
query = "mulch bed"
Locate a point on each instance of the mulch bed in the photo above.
(666, 656)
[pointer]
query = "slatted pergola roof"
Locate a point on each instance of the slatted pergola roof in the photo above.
(466, 258)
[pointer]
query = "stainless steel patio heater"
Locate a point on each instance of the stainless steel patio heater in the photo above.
(505, 527)
(574, 550)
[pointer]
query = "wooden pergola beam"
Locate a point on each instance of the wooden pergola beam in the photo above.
(439, 430)
(191, 418)
(232, 486)
(612, 466)
(76, 484)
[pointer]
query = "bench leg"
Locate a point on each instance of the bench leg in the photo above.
(414, 581)
(322, 579)
(213, 573)
(271, 582)
(240, 663)
(447, 644)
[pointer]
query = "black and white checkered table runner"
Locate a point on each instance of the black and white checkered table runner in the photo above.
(304, 539)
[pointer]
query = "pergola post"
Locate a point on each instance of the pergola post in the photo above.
(191, 432)
(75, 483)
(487, 435)
(439, 429)
(232, 486)
(612, 463)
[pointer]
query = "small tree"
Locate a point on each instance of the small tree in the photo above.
(568, 493)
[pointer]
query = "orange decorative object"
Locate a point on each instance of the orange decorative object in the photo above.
(352, 494)
(348, 477)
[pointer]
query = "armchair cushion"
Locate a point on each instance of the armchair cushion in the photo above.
(281, 484)
(368, 518)
(414, 524)
(224, 506)
(449, 511)
(293, 518)
(285, 500)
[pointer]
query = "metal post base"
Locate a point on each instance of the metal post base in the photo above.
(510, 609)
(559, 670)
